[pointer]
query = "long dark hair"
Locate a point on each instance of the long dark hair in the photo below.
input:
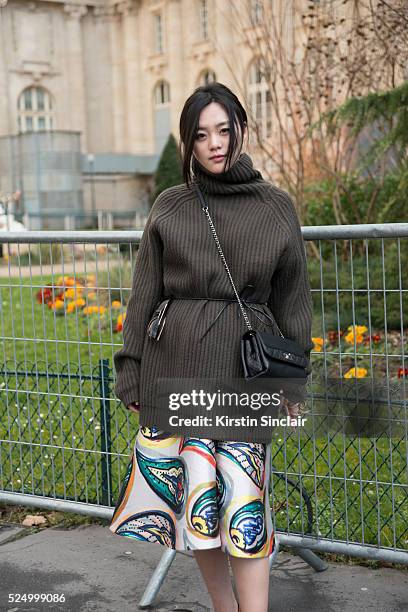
(189, 118)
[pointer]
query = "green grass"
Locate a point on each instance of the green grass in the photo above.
(52, 417)
(35, 334)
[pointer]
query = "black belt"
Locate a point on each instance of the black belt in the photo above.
(229, 301)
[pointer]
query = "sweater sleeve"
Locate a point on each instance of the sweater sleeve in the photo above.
(146, 292)
(290, 298)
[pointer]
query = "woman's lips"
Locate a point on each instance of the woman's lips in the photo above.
(217, 159)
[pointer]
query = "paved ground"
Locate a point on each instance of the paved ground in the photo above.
(98, 570)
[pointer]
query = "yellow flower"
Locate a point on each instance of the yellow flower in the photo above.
(350, 338)
(358, 329)
(70, 307)
(75, 304)
(58, 304)
(68, 281)
(356, 373)
(116, 304)
(72, 293)
(318, 344)
(93, 309)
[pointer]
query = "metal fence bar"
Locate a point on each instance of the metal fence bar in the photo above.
(311, 232)
(64, 439)
(317, 545)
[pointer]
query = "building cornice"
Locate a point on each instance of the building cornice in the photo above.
(75, 10)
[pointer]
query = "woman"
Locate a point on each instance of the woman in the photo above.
(187, 489)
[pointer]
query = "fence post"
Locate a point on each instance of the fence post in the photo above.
(106, 443)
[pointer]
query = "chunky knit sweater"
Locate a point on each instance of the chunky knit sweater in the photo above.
(260, 235)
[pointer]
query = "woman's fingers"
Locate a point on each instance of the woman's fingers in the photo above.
(292, 410)
(134, 407)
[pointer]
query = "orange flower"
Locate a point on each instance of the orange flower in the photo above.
(358, 329)
(119, 324)
(68, 281)
(402, 372)
(70, 307)
(91, 295)
(355, 333)
(94, 309)
(57, 305)
(73, 293)
(318, 344)
(350, 338)
(75, 304)
(116, 304)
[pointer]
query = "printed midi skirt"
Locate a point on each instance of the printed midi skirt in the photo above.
(192, 493)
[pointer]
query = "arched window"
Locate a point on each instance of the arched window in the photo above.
(260, 99)
(161, 93)
(35, 110)
(206, 77)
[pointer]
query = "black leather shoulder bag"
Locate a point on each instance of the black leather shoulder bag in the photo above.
(262, 353)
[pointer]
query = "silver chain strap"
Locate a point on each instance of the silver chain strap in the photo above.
(204, 207)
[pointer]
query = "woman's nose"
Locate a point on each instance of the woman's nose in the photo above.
(214, 140)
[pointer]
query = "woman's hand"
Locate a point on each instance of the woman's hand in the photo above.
(293, 410)
(134, 407)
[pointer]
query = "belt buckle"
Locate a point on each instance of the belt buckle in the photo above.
(156, 323)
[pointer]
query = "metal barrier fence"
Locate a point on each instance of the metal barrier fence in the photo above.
(113, 219)
(65, 439)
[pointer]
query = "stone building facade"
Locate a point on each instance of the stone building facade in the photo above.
(118, 73)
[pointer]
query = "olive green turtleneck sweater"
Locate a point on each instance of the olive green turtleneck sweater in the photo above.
(260, 236)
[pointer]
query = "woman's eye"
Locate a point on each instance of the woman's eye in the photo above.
(223, 130)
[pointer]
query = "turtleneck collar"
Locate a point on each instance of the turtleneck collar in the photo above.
(238, 179)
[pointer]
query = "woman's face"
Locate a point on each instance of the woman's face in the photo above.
(212, 138)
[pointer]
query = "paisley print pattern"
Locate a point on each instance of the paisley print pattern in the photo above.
(204, 513)
(247, 527)
(191, 493)
(149, 527)
(250, 457)
(221, 490)
(166, 477)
